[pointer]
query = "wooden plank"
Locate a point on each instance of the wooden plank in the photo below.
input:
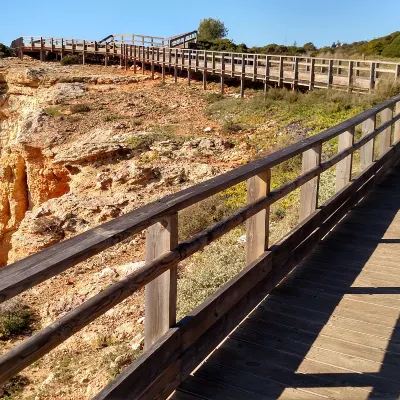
(160, 302)
(367, 151)
(344, 167)
(312, 75)
(309, 191)
(257, 228)
(384, 137)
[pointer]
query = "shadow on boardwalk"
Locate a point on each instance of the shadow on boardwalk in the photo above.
(331, 329)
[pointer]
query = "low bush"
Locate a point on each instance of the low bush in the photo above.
(80, 108)
(71, 59)
(52, 112)
(15, 318)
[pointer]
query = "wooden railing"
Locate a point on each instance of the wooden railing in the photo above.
(174, 349)
(306, 72)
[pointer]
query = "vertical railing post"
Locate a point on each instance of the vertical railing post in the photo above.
(232, 65)
(160, 294)
(257, 227)
(312, 74)
(367, 151)
(330, 74)
(267, 70)
(280, 81)
(255, 62)
(152, 63)
(350, 77)
(189, 52)
(396, 135)
(163, 65)
(372, 76)
(344, 167)
(243, 76)
(296, 73)
(309, 191)
(213, 62)
(384, 137)
(222, 72)
(205, 71)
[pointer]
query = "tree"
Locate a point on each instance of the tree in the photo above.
(211, 29)
(393, 49)
(5, 51)
(309, 47)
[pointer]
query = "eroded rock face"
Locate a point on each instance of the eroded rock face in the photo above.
(67, 161)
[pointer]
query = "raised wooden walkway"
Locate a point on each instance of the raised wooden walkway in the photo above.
(171, 55)
(331, 329)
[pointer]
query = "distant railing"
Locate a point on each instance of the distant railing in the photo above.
(174, 349)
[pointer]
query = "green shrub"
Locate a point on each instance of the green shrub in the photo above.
(212, 97)
(13, 388)
(80, 108)
(208, 270)
(230, 127)
(71, 59)
(15, 318)
(111, 117)
(52, 112)
(393, 49)
(5, 51)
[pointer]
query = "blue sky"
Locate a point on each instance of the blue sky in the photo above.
(256, 22)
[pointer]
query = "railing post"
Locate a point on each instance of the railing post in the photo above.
(372, 76)
(232, 65)
(213, 62)
(397, 73)
(350, 77)
(255, 61)
(384, 137)
(189, 65)
(267, 69)
(243, 76)
(280, 81)
(222, 72)
(343, 167)
(160, 294)
(309, 191)
(176, 66)
(152, 63)
(163, 65)
(83, 54)
(296, 73)
(257, 227)
(367, 151)
(312, 74)
(396, 135)
(205, 71)
(330, 74)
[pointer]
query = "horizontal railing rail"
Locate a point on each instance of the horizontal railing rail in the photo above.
(173, 349)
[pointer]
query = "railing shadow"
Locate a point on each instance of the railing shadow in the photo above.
(292, 340)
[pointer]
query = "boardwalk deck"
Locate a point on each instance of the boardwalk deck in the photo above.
(331, 329)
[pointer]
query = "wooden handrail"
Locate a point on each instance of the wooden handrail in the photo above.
(263, 263)
(24, 274)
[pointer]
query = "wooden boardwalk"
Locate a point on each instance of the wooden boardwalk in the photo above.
(331, 328)
(171, 54)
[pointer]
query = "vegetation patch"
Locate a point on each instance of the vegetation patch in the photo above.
(16, 318)
(13, 388)
(80, 108)
(71, 59)
(52, 111)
